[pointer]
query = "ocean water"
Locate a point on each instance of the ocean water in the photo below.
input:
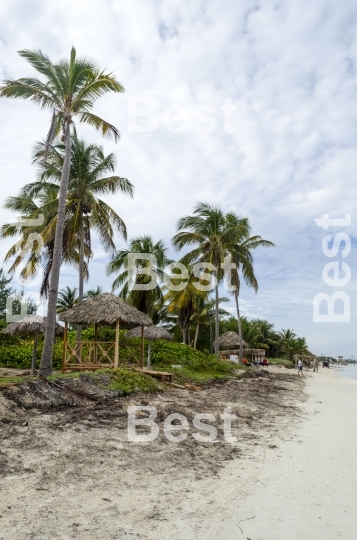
(346, 371)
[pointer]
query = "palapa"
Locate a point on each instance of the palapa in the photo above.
(33, 325)
(230, 340)
(150, 333)
(108, 309)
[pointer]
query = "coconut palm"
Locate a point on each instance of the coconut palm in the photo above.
(88, 180)
(204, 312)
(182, 301)
(69, 91)
(262, 334)
(36, 215)
(292, 346)
(67, 299)
(241, 255)
(93, 292)
(211, 234)
(139, 279)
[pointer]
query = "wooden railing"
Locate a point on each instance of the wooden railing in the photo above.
(90, 355)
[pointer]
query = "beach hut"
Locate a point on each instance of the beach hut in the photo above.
(33, 325)
(150, 333)
(103, 309)
(230, 340)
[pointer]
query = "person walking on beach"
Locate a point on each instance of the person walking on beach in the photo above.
(300, 368)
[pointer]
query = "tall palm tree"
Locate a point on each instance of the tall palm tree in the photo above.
(69, 91)
(143, 273)
(241, 256)
(88, 180)
(212, 235)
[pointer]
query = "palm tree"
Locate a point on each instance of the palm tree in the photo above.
(262, 335)
(40, 209)
(137, 282)
(204, 311)
(93, 292)
(70, 90)
(292, 346)
(212, 235)
(88, 180)
(241, 256)
(182, 301)
(67, 298)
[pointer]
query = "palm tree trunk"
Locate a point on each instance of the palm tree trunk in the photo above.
(184, 335)
(80, 287)
(240, 359)
(46, 360)
(196, 336)
(216, 337)
(188, 336)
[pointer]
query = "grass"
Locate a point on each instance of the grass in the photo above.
(281, 362)
(127, 381)
(15, 379)
(121, 380)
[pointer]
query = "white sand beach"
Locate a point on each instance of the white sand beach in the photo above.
(292, 476)
(308, 487)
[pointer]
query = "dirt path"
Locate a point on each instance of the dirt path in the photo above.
(72, 473)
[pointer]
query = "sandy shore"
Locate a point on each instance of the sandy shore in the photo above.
(291, 474)
(308, 489)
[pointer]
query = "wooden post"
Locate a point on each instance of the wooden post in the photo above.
(33, 363)
(95, 342)
(142, 348)
(149, 354)
(64, 354)
(116, 350)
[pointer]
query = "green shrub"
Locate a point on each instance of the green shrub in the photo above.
(19, 355)
(281, 362)
(197, 366)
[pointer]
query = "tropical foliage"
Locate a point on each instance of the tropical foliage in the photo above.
(140, 270)
(69, 90)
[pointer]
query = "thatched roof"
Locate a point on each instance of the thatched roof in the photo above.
(259, 352)
(230, 340)
(150, 332)
(33, 324)
(104, 308)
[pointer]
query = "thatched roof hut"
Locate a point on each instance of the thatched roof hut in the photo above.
(230, 340)
(150, 332)
(32, 325)
(106, 308)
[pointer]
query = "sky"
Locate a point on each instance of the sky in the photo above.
(283, 157)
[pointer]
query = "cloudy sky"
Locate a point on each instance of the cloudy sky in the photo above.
(286, 157)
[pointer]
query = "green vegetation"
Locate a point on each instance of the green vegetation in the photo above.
(121, 380)
(281, 362)
(64, 206)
